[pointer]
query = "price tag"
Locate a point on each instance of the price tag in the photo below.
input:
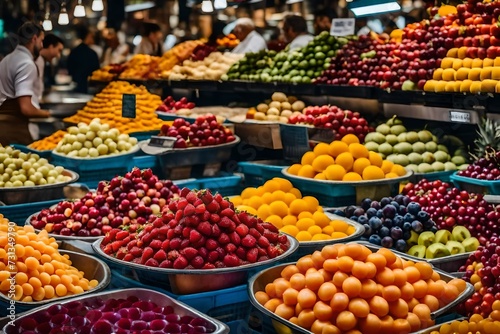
(342, 27)
(165, 142)
(460, 116)
(128, 105)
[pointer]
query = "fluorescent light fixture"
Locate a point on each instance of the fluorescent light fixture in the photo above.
(47, 24)
(206, 6)
(79, 10)
(97, 6)
(372, 8)
(220, 4)
(63, 16)
(139, 6)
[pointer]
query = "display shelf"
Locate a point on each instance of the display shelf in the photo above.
(441, 114)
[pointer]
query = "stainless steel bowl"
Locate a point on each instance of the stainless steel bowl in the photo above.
(46, 192)
(194, 280)
(92, 267)
(143, 294)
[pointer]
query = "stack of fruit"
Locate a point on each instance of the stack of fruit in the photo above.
(476, 321)
(94, 140)
(449, 207)
(419, 151)
(205, 131)
(49, 142)
(210, 68)
(27, 169)
(250, 66)
(129, 202)
(201, 52)
(349, 288)
(107, 73)
(172, 106)
(278, 203)
(228, 42)
(107, 105)
(332, 117)
(345, 160)
(141, 67)
(280, 109)
(200, 230)
(40, 271)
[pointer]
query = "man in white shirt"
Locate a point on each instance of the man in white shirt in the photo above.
(295, 31)
(151, 42)
(52, 48)
(18, 76)
(250, 40)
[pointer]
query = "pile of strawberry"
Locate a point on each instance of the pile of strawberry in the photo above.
(199, 230)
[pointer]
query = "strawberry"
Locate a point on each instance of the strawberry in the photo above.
(213, 256)
(197, 262)
(180, 263)
(173, 223)
(131, 244)
(263, 242)
(215, 231)
(254, 233)
(185, 243)
(221, 251)
(185, 192)
(200, 243)
(211, 244)
(218, 198)
(241, 252)
(155, 244)
(121, 235)
(128, 257)
(189, 210)
(232, 226)
(263, 258)
(166, 264)
(175, 243)
(165, 244)
(178, 215)
(213, 207)
(116, 245)
(189, 253)
(252, 254)
(146, 254)
(160, 255)
(231, 260)
(205, 216)
(164, 230)
(170, 234)
(186, 231)
(230, 248)
(262, 251)
(225, 222)
(272, 237)
(203, 252)
(235, 238)
(151, 263)
(154, 232)
(273, 251)
(260, 228)
(270, 227)
(248, 241)
(208, 266)
(214, 218)
(227, 212)
(121, 253)
(198, 202)
(172, 255)
(205, 228)
(223, 239)
(181, 204)
(158, 223)
(207, 197)
(192, 221)
(282, 239)
(191, 197)
(199, 209)
(178, 230)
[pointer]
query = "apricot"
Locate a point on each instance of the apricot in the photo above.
(462, 52)
(447, 62)
(449, 74)
(476, 62)
(452, 53)
(438, 74)
(488, 86)
(440, 86)
(465, 86)
(488, 62)
(462, 73)
(457, 64)
(467, 62)
(474, 74)
(475, 87)
(485, 73)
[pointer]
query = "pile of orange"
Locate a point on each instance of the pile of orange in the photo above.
(49, 142)
(107, 105)
(345, 160)
(41, 272)
(350, 289)
(476, 323)
(279, 203)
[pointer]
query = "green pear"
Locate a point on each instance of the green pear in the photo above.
(417, 251)
(463, 167)
(443, 236)
(470, 244)
(428, 157)
(438, 166)
(415, 158)
(443, 148)
(392, 158)
(402, 137)
(455, 247)
(449, 166)
(418, 147)
(442, 156)
(398, 129)
(403, 148)
(424, 136)
(412, 137)
(385, 148)
(460, 233)
(383, 129)
(375, 137)
(426, 238)
(372, 146)
(412, 167)
(431, 146)
(402, 160)
(458, 160)
(392, 139)
(437, 250)
(425, 168)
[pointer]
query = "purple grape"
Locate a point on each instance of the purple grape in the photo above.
(43, 327)
(123, 312)
(85, 329)
(60, 319)
(28, 324)
(125, 304)
(157, 324)
(198, 322)
(389, 211)
(200, 329)
(145, 331)
(186, 328)
(57, 309)
(102, 327)
(79, 321)
(143, 305)
(172, 328)
(175, 318)
(112, 317)
(132, 299)
(387, 242)
(41, 316)
(148, 316)
(134, 313)
(93, 315)
(138, 325)
(112, 303)
(124, 323)
(186, 319)
(167, 310)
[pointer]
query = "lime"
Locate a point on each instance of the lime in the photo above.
(320, 55)
(312, 62)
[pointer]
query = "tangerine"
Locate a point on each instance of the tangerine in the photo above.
(360, 164)
(359, 307)
(375, 159)
(321, 162)
(386, 166)
(307, 171)
(351, 176)
(294, 169)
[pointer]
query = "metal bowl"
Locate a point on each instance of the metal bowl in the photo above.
(259, 281)
(46, 192)
(92, 267)
(143, 294)
(194, 280)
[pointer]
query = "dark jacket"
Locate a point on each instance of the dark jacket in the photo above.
(82, 61)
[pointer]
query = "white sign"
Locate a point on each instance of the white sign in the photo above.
(460, 116)
(342, 27)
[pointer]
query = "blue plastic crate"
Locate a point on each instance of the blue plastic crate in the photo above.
(18, 213)
(442, 176)
(241, 327)
(225, 305)
(258, 172)
(475, 185)
(225, 185)
(43, 154)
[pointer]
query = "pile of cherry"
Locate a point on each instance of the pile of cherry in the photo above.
(198, 230)
(129, 315)
(129, 201)
(448, 207)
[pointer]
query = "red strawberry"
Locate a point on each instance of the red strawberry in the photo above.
(189, 253)
(151, 263)
(178, 230)
(146, 254)
(191, 197)
(213, 207)
(282, 239)
(197, 262)
(164, 230)
(218, 198)
(189, 210)
(208, 266)
(223, 239)
(263, 242)
(248, 241)
(155, 244)
(207, 197)
(173, 223)
(203, 252)
(260, 228)
(172, 206)
(186, 231)
(262, 251)
(254, 233)
(165, 244)
(211, 244)
(199, 209)
(185, 243)
(215, 231)
(205, 228)
(241, 252)
(121, 235)
(171, 234)
(172, 255)
(200, 243)
(198, 202)
(213, 256)
(221, 251)
(235, 238)
(158, 223)
(231, 260)
(272, 237)
(252, 255)
(185, 192)
(166, 264)
(160, 255)
(194, 236)
(175, 243)
(121, 254)
(116, 245)
(263, 258)
(273, 251)
(180, 263)
(132, 243)
(128, 257)
(270, 227)
(181, 204)
(214, 218)
(227, 212)
(225, 222)
(230, 248)
(178, 215)
(205, 216)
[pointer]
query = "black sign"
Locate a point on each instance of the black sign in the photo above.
(128, 106)
(165, 142)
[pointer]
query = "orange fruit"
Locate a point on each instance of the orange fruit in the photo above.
(306, 298)
(422, 311)
(298, 206)
(373, 173)
(385, 277)
(314, 280)
(285, 311)
(407, 291)
(326, 291)
(321, 162)
(304, 263)
(321, 149)
(375, 159)
(359, 307)
(346, 321)
(306, 318)
(350, 139)
(351, 176)
(338, 278)
(414, 322)
(351, 287)
(391, 293)
(312, 203)
(290, 229)
(306, 171)
(339, 302)
(358, 151)
(461, 286)
(370, 325)
(360, 164)
(271, 186)
(279, 208)
(322, 311)
(307, 158)
(297, 281)
(289, 271)
(294, 169)
(345, 160)
(420, 287)
(285, 185)
(320, 176)
(391, 175)
(387, 166)
(398, 308)
(337, 147)
(275, 220)
(335, 172)
(345, 263)
(303, 236)
(432, 302)
(379, 306)
(400, 277)
(368, 288)
(398, 169)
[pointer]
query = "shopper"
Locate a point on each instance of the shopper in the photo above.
(250, 40)
(17, 82)
(116, 51)
(322, 22)
(52, 48)
(151, 42)
(82, 60)
(295, 31)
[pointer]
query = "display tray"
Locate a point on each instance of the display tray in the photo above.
(92, 267)
(442, 176)
(194, 280)
(46, 192)
(476, 185)
(143, 294)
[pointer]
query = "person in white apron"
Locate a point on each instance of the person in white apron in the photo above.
(250, 40)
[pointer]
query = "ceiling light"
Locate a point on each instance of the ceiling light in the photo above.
(63, 16)
(206, 6)
(373, 7)
(79, 10)
(220, 4)
(47, 24)
(97, 6)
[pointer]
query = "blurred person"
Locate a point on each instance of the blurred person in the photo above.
(82, 60)
(295, 32)
(117, 50)
(151, 42)
(18, 98)
(52, 48)
(322, 22)
(250, 40)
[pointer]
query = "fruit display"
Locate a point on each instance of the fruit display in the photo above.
(199, 230)
(170, 105)
(349, 288)
(112, 315)
(140, 67)
(94, 140)
(41, 271)
(419, 151)
(279, 109)
(129, 202)
(475, 324)
(345, 160)
(107, 105)
(20, 169)
(448, 207)
(228, 42)
(107, 73)
(332, 117)
(49, 142)
(201, 51)
(211, 67)
(205, 131)
(282, 205)
(251, 63)
(483, 271)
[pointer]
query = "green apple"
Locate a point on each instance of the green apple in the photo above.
(470, 244)
(435, 251)
(443, 236)
(455, 247)
(460, 233)
(417, 251)
(413, 239)
(426, 238)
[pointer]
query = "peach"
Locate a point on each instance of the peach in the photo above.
(462, 52)
(477, 63)
(488, 62)
(450, 86)
(497, 88)
(496, 62)
(430, 85)
(453, 53)
(449, 74)
(457, 63)
(462, 73)
(465, 86)
(495, 73)
(440, 86)
(485, 73)
(438, 74)
(488, 86)
(447, 62)
(467, 62)
(475, 87)
(474, 73)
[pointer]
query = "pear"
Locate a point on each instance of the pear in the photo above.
(458, 160)
(441, 156)
(392, 158)
(428, 157)
(383, 129)
(437, 250)
(424, 136)
(403, 148)
(417, 251)
(425, 168)
(449, 166)
(398, 129)
(415, 158)
(470, 244)
(385, 148)
(443, 148)
(402, 137)
(438, 166)
(455, 247)
(372, 146)
(375, 137)
(412, 167)
(460, 233)
(391, 139)
(418, 147)
(443, 236)
(412, 137)
(431, 147)
(426, 238)
(402, 160)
